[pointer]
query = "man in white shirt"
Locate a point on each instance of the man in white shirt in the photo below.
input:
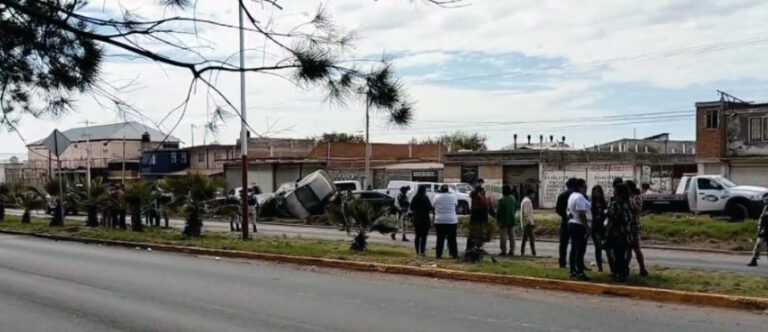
(527, 222)
(580, 213)
(446, 221)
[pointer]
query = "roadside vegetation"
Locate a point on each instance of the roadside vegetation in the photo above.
(678, 279)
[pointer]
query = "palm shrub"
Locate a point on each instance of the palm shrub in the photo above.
(194, 194)
(358, 215)
(138, 195)
(5, 196)
(29, 198)
(52, 189)
(92, 203)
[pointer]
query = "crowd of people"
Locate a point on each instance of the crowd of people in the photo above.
(613, 225)
(441, 211)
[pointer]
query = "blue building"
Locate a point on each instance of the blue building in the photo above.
(156, 164)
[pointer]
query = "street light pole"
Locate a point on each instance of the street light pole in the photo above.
(243, 130)
(367, 181)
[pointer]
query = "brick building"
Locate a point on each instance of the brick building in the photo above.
(269, 168)
(732, 140)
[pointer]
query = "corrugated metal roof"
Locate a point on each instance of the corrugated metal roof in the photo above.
(131, 130)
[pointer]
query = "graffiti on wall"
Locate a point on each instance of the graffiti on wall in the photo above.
(554, 177)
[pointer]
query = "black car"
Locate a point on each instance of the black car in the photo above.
(376, 199)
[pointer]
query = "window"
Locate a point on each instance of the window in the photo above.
(755, 130)
(216, 156)
(183, 158)
(200, 157)
(173, 157)
(765, 128)
(152, 160)
(713, 120)
(708, 184)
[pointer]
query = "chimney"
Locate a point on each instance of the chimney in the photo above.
(529, 139)
(563, 139)
(541, 141)
(514, 137)
(551, 138)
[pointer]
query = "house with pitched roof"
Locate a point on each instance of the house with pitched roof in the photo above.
(113, 151)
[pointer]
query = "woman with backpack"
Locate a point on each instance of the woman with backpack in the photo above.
(618, 234)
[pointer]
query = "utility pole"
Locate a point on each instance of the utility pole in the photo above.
(367, 181)
(88, 158)
(123, 174)
(243, 130)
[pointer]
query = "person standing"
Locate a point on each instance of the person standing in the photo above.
(579, 224)
(446, 222)
(762, 234)
(635, 226)
(599, 207)
(478, 217)
(421, 207)
(403, 206)
(505, 218)
(561, 208)
(618, 235)
(527, 222)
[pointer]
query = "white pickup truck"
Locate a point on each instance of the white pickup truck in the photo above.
(393, 189)
(709, 194)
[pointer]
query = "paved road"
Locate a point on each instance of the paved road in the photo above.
(660, 257)
(61, 286)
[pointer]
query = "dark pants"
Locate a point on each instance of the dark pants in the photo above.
(446, 232)
(420, 241)
(528, 236)
(597, 240)
(578, 248)
(619, 254)
(563, 242)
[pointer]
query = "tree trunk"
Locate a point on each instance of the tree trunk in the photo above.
(25, 218)
(93, 217)
(56, 218)
(194, 224)
(136, 225)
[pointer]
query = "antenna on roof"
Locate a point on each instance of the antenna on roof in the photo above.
(725, 96)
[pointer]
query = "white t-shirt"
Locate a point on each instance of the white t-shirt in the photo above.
(445, 208)
(578, 203)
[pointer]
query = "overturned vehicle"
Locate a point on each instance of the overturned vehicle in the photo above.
(302, 199)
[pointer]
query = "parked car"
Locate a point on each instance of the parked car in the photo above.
(70, 209)
(377, 200)
(709, 194)
(236, 193)
(393, 189)
(310, 195)
(348, 185)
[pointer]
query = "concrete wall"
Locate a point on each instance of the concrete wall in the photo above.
(212, 157)
(740, 142)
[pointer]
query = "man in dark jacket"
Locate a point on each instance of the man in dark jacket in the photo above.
(561, 210)
(762, 234)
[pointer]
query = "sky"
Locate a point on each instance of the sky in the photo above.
(586, 70)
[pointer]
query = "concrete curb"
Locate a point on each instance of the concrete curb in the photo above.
(642, 293)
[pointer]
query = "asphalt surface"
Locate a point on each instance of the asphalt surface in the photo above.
(61, 286)
(659, 257)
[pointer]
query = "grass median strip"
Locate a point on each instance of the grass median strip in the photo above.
(675, 279)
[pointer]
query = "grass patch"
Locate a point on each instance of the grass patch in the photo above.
(676, 229)
(678, 279)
